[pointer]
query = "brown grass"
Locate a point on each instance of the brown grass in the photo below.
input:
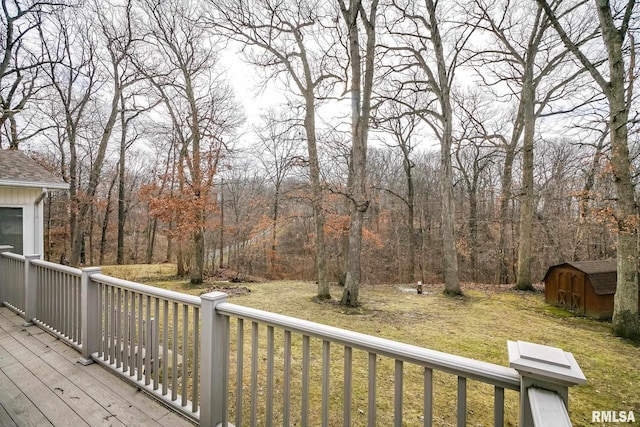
(476, 326)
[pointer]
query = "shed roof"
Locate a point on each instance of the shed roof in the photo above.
(602, 274)
(19, 170)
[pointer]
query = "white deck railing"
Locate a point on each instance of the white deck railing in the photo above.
(190, 353)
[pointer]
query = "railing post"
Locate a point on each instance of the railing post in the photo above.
(3, 249)
(543, 367)
(30, 290)
(214, 361)
(90, 313)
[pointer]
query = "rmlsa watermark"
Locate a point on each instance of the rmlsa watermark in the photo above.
(613, 417)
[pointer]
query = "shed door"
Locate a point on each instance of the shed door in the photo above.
(577, 293)
(564, 289)
(11, 228)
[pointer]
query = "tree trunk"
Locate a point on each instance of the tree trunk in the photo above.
(105, 222)
(151, 240)
(197, 266)
(361, 90)
(121, 186)
(449, 251)
(316, 194)
(625, 309)
(523, 281)
(413, 241)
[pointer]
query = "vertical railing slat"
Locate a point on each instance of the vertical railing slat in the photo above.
(196, 359)
(140, 344)
(185, 352)
(306, 344)
(498, 407)
(165, 347)
(175, 350)
(126, 331)
(348, 386)
(428, 397)
(397, 405)
(462, 402)
(326, 377)
(286, 392)
(155, 338)
(269, 391)
(254, 374)
(148, 344)
(371, 410)
(239, 370)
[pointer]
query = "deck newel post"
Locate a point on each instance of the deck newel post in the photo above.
(214, 361)
(90, 314)
(544, 367)
(30, 290)
(3, 249)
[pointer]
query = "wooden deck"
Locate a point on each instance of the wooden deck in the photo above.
(41, 384)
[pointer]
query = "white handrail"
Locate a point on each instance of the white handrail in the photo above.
(57, 267)
(147, 290)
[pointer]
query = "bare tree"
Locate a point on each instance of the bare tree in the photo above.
(531, 66)
(180, 62)
(619, 42)
(278, 154)
(473, 157)
(278, 35)
(76, 77)
(401, 124)
(21, 63)
(429, 64)
(359, 18)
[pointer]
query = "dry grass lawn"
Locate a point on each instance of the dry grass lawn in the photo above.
(476, 326)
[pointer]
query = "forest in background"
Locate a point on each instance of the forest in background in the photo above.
(483, 140)
(571, 223)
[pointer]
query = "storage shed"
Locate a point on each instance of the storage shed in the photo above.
(583, 287)
(23, 185)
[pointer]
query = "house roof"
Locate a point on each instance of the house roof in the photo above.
(602, 274)
(19, 170)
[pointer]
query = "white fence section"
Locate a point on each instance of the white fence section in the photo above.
(202, 355)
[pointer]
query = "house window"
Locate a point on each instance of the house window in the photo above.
(11, 228)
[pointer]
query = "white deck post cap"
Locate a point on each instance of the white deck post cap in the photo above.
(543, 362)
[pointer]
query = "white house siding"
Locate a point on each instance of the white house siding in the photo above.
(25, 198)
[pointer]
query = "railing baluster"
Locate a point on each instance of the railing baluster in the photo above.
(165, 347)
(498, 407)
(113, 336)
(305, 379)
(101, 329)
(126, 331)
(348, 386)
(462, 401)
(185, 351)
(239, 370)
(174, 352)
(270, 345)
(397, 413)
(119, 332)
(140, 346)
(371, 410)
(132, 335)
(156, 344)
(254, 373)
(326, 363)
(286, 392)
(148, 344)
(428, 397)
(196, 358)
(78, 311)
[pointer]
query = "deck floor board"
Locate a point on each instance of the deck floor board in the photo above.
(41, 384)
